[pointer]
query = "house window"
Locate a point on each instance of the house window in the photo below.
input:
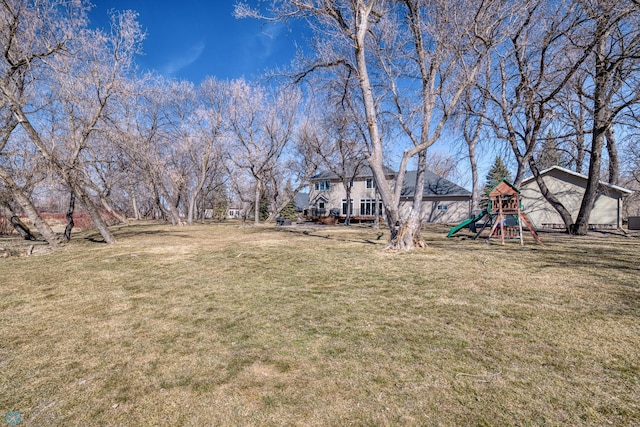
(369, 183)
(322, 185)
(443, 207)
(344, 206)
(368, 207)
(321, 204)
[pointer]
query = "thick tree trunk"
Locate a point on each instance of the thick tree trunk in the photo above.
(18, 225)
(93, 212)
(29, 210)
(347, 187)
(401, 232)
(196, 192)
(614, 160)
(105, 204)
(256, 207)
(405, 235)
(69, 227)
(134, 204)
(600, 126)
(173, 207)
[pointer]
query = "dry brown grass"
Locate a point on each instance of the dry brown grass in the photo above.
(228, 325)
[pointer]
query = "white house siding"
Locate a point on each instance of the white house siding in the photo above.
(336, 194)
(443, 201)
(569, 189)
(451, 210)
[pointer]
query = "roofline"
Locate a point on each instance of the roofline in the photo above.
(439, 196)
(579, 175)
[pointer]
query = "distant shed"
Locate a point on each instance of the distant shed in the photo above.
(569, 187)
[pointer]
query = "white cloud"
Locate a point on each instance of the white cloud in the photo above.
(261, 46)
(190, 56)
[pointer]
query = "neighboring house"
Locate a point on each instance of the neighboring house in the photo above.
(569, 187)
(234, 213)
(444, 201)
(327, 195)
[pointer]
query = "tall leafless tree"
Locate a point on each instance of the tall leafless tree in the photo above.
(615, 29)
(445, 43)
(262, 122)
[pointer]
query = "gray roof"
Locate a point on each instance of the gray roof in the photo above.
(434, 185)
(301, 201)
(553, 169)
(363, 172)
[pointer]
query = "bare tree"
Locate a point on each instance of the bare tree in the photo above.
(262, 124)
(206, 145)
(616, 58)
(48, 49)
(445, 45)
(341, 148)
(145, 139)
(543, 52)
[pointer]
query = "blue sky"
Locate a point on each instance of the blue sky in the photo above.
(192, 39)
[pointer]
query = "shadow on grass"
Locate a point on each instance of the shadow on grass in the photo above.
(137, 230)
(308, 233)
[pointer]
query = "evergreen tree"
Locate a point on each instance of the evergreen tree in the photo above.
(289, 211)
(264, 207)
(497, 173)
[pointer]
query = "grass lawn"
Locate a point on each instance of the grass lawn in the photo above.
(229, 325)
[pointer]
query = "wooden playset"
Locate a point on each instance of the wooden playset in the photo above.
(505, 215)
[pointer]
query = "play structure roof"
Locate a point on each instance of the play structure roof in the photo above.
(504, 188)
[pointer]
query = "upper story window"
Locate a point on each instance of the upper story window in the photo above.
(443, 207)
(322, 185)
(370, 183)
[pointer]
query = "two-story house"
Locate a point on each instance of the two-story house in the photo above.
(443, 201)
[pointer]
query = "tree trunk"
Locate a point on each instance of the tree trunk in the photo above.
(551, 198)
(197, 190)
(69, 227)
(406, 235)
(18, 225)
(29, 210)
(107, 206)
(614, 160)
(600, 126)
(475, 203)
(97, 219)
(580, 152)
(134, 202)
(173, 207)
(401, 232)
(256, 208)
(348, 186)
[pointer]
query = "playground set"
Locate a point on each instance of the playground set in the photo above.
(505, 215)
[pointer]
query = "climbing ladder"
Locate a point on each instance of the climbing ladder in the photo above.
(506, 207)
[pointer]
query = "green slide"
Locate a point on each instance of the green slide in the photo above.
(466, 222)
